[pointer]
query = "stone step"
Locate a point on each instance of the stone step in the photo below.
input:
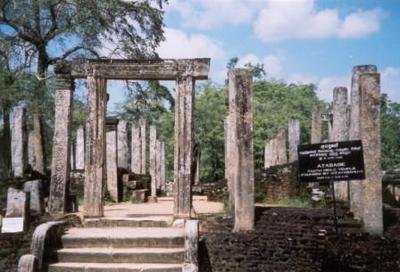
(123, 237)
(143, 222)
(121, 255)
(113, 267)
(195, 198)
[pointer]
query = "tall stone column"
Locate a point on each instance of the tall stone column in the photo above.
(136, 147)
(281, 148)
(159, 155)
(18, 142)
(123, 146)
(143, 136)
(241, 111)
(80, 149)
(162, 162)
(60, 165)
(268, 153)
(112, 161)
(356, 205)
(316, 125)
(72, 152)
(293, 139)
(31, 155)
(370, 131)
(95, 160)
(228, 134)
(197, 175)
(184, 102)
(339, 132)
(37, 144)
(153, 161)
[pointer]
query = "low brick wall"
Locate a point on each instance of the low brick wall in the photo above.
(293, 239)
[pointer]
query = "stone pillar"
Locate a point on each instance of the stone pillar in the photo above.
(162, 161)
(197, 175)
(18, 142)
(339, 132)
(123, 145)
(281, 149)
(31, 155)
(228, 158)
(112, 154)
(95, 160)
(241, 111)
(153, 161)
(34, 188)
(60, 165)
(80, 149)
(37, 144)
(356, 205)
(136, 147)
(371, 138)
(268, 153)
(159, 155)
(293, 139)
(183, 147)
(316, 125)
(72, 152)
(143, 137)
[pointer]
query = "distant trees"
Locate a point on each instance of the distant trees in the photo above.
(390, 131)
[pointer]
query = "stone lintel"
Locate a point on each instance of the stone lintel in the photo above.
(162, 69)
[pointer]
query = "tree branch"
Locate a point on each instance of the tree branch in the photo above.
(71, 51)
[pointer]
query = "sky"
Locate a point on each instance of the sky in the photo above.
(298, 41)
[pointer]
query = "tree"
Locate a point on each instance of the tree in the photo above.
(50, 30)
(390, 131)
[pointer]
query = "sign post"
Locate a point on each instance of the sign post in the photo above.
(330, 162)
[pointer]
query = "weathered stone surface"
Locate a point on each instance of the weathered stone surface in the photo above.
(162, 171)
(95, 160)
(112, 166)
(167, 69)
(293, 139)
(72, 159)
(28, 263)
(60, 165)
(229, 160)
(123, 145)
(371, 137)
(354, 133)
(143, 137)
(37, 143)
(136, 147)
(139, 195)
(17, 203)
(316, 125)
(159, 155)
(275, 151)
(80, 149)
(31, 156)
(34, 188)
(191, 245)
(339, 132)
(183, 147)
(18, 142)
(153, 160)
(241, 111)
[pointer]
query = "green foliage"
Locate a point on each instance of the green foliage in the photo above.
(390, 131)
(209, 115)
(296, 202)
(275, 103)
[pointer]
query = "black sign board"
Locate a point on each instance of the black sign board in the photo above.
(331, 161)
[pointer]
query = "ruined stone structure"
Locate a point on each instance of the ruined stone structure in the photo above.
(123, 145)
(136, 149)
(293, 139)
(18, 142)
(316, 125)
(162, 170)
(97, 72)
(112, 155)
(241, 155)
(143, 137)
(339, 132)
(275, 152)
(80, 149)
(153, 162)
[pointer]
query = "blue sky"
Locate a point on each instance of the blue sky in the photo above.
(299, 41)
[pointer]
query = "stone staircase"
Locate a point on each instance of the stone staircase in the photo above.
(145, 244)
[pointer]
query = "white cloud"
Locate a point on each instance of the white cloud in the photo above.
(272, 63)
(207, 14)
(179, 44)
(281, 20)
